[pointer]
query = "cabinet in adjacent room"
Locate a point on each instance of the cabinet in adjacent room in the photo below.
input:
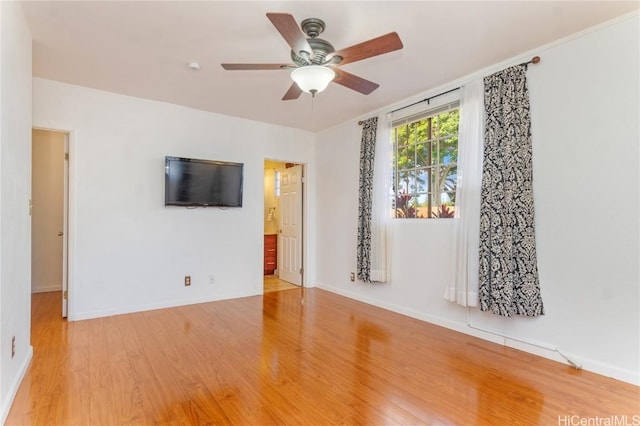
(270, 253)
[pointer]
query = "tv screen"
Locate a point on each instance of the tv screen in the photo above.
(202, 183)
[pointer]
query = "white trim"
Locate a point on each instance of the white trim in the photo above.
(72, 137)
(539, 349)
(15, 385)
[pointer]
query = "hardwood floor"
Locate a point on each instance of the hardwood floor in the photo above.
(273, 283)
(302, 356)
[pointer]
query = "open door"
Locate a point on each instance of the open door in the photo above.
(290, 236)
(65, 230)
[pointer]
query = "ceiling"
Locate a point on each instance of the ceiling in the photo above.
(143, 48)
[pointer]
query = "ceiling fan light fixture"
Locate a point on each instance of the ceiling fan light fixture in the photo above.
(313, 78)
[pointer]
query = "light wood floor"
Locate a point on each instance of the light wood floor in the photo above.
(273, 283)
(292, 357)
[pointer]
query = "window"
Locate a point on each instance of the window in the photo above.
(425, 163)
(276, 183)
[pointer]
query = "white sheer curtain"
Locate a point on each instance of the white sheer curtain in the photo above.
(381, 200)
(463, 286)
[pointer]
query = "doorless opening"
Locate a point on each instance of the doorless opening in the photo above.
(49, 195)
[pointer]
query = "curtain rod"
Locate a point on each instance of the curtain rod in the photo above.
(533, 60)
(417, 102)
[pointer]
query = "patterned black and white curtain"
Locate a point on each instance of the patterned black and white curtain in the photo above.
(508, 281)
(365, 197)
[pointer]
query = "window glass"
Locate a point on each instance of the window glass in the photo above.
(425, 164)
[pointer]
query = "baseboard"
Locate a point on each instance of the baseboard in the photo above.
(628, 376)
(46, 289)
(79, 316)
(13, 387)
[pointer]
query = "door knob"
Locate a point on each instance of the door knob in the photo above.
(60, 234)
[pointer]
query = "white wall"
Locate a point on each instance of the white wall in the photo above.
(584, 101)
(15, 190)
(128, 251)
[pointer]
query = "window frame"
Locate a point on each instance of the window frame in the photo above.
(447, 104)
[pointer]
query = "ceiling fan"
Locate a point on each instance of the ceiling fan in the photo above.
(315, 60)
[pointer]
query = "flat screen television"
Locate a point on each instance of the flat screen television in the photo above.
(202, 183)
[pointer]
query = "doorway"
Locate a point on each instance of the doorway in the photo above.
(49, 207)
(283, 225)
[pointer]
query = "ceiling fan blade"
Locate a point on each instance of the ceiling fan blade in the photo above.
(249, 67)
(288, 28)
(294, 92)
(367, 49)
(354, 82)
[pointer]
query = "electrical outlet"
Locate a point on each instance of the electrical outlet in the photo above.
(13, 346)
(187, 280)
(352, 276)
(212, 279)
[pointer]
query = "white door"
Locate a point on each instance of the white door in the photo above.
(290, 244)
(65, 229)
